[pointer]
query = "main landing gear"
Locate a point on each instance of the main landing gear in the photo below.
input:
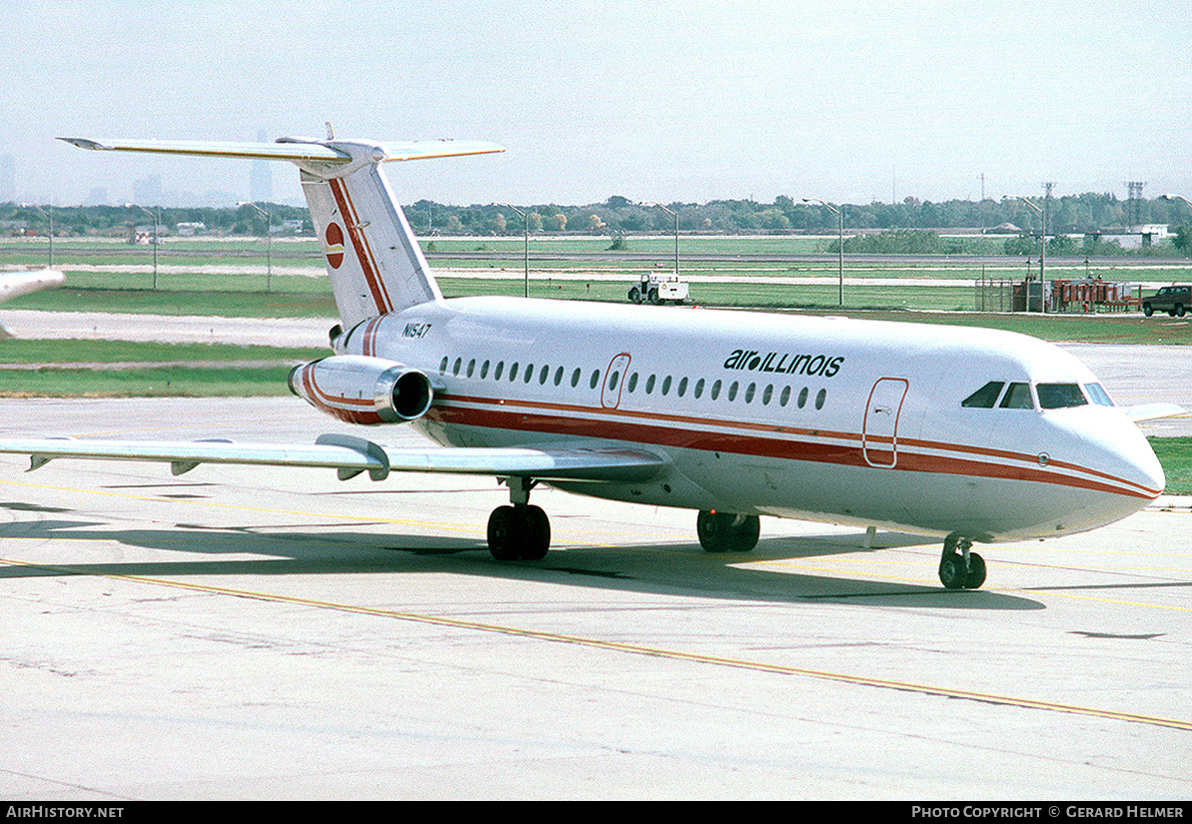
(961, 570)
(519, 530)
(727, 531)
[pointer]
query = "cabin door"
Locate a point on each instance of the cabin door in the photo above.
(614, 379)
(879, 434)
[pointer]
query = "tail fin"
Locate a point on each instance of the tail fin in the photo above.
(373, 259)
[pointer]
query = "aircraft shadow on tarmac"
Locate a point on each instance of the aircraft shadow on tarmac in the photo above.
(663, 568)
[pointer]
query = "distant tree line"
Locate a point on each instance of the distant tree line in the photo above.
(1067, 214)
(115, 220)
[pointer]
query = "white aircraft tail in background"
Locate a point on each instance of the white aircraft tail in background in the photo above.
(966, 434)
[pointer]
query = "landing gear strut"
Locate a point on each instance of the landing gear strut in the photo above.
(727, 531)
(961, 570)
(519, 530)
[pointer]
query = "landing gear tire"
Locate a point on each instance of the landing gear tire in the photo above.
(727, 531)
(954, 572)
(518, 532)
(976, 572)
(502, 533)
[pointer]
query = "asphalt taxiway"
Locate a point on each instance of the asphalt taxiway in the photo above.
(257, 633)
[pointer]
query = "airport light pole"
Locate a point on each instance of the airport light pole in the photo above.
(156, 220)
(268, 243)
(526, 220)
(676, 217)
(1042, 212)
(840, 251)
(49, 216)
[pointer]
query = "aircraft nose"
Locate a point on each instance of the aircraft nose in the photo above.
(1127, 456)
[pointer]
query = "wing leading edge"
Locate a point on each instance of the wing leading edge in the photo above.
(351, 456)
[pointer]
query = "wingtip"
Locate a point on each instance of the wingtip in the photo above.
(83, 142)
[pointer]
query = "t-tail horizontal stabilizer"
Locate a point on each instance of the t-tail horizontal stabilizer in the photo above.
(373, 258)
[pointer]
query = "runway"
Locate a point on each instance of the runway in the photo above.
(258, 633)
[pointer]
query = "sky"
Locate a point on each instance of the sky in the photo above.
(653, 100)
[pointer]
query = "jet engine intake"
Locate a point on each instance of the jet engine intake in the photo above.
(362, 389)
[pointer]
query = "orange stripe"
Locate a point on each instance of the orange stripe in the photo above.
(538, 418)
(363, 253)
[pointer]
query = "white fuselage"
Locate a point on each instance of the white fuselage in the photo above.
(788, 415)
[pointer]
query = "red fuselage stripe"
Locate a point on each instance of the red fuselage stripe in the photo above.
(546, 418)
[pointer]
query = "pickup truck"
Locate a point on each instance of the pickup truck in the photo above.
(1174, 300)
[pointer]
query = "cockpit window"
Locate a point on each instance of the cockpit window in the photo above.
(1018, 396)
(985, 397)
(1060, 395)
(1098, 394)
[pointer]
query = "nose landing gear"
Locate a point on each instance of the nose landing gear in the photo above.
(961, 570)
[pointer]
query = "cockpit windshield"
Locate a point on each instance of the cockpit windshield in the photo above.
(1018, 395)
(1060, 395)
(985, 397)
(1098, 395)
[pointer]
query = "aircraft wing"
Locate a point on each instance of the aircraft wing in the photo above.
(15, 284)
(351, 456)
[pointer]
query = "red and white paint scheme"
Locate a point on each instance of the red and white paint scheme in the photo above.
(971, 435)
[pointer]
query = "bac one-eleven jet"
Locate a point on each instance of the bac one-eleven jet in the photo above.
(973, 436)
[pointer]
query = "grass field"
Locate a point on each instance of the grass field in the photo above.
(99, 368)
(1175, 454)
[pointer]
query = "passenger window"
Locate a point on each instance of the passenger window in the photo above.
(632, 382)
(595, 381)
(650, 384)
(513, 372)
(1018, 396)
(575, 378)
(716, 390)
(682, 390)
(558, 376)
(732, 391)
(803, 397)
(612, 380)
(484, 370)
(785, 397)
(542, 376)
(529, 373)
(1059, 395)
(471, 367)
(443, 366)
(820, 398)
(749, 390)
(499, 371)
(1098, 394)
(666, 384)
(699, 388)
(455, 366)
(985, 397)
(769, 393)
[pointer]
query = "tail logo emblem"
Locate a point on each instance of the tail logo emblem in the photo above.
(334, 247)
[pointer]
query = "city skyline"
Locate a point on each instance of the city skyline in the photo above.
(689, 102)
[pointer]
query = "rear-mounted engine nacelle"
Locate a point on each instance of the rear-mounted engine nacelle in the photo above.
(360, 389)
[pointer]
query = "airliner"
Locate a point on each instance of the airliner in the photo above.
(15, 284)
(968, 435)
